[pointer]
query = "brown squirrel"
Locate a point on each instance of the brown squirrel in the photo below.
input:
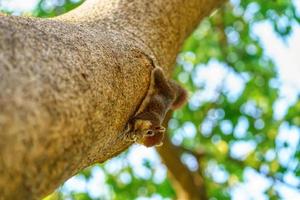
(145, 127)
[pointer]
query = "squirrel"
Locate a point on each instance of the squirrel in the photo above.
(163, 94)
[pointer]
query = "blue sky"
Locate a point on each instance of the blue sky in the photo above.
(18, 5)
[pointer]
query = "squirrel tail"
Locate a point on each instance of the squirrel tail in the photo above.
(181, 95)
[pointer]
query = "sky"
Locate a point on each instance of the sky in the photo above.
(286, 55)
(18, 5)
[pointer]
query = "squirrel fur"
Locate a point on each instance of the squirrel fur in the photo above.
(163, 94)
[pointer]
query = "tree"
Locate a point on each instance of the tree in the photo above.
(69, 84)
(230, 129)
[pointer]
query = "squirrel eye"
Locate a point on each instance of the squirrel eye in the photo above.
(150, 133)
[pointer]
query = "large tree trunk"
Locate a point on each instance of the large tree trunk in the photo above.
(69, 84)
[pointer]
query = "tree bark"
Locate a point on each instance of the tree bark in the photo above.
(69, 84)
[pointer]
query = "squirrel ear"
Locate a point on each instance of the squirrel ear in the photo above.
(160, 129)
(159, 144)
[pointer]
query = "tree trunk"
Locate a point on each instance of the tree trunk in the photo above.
(69, 84)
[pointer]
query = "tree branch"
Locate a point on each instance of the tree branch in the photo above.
(188, 184)
(155, 24)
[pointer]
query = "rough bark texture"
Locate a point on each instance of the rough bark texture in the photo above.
(69, 84)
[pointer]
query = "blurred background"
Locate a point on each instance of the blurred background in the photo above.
(238, 137)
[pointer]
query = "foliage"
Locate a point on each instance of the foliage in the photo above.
(52, 8)
(225, 119)
(225, 115)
